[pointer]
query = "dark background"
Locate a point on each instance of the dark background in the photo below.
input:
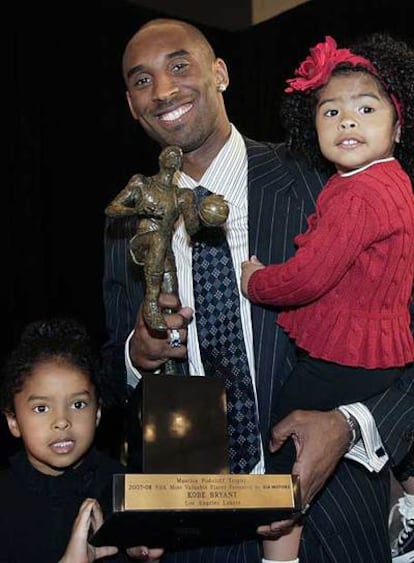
(71, 143)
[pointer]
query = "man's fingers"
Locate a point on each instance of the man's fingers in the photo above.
(280, 433)
(143, 553)
(187, 313)
(276, 529)
(179, 320)
(321, 440)
(168, 301)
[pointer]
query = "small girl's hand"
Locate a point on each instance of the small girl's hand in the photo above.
(78, 549)
(248, 267)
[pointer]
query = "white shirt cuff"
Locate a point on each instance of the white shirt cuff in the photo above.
(133, 375)
(369, 450)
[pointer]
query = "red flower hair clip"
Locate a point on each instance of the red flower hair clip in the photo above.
(317, 68)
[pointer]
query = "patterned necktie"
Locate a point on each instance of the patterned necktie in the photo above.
(221, 341)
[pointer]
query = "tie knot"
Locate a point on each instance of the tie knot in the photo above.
(201, 192)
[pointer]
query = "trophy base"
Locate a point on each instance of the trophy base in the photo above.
(188, 511)
(178, 424)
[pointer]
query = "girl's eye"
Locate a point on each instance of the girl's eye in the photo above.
(331, 113)
(40, 408)
(78, 405)
(366, 109)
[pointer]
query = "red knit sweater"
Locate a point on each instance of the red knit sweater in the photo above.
(347, 290)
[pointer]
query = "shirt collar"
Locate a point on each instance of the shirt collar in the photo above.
(227, 173)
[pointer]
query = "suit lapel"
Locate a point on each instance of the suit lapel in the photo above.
(277, 212)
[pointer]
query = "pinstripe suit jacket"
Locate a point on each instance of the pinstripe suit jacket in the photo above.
(348, 523)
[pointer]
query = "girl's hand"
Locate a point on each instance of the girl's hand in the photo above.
(78, 549)
(247, 269)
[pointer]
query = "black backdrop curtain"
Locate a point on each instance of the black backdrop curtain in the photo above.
(72, 143)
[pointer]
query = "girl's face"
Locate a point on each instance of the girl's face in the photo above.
(56, 414)
(355, 121)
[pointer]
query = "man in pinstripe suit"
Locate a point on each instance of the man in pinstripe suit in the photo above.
(175, 88)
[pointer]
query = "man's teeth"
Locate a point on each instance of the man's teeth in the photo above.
(176, 114)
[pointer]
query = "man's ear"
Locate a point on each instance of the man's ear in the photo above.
(221, 74)
(13, 424)
(131, 109)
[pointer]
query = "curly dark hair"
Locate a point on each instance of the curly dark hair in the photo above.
(63, 339)
(394, 61)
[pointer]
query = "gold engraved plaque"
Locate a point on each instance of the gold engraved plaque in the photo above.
(184, 511)
(208, 492)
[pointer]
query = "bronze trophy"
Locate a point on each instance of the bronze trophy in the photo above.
(158, 202)
(183, 495)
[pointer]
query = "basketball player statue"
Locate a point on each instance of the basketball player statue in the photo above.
(158, 203)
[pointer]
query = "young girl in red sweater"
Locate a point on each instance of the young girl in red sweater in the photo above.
(345, 295)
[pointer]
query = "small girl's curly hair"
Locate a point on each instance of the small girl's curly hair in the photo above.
(60, 339)
(394, 61)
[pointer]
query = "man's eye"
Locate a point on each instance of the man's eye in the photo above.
(142, 81)
(40, 408)
(177, 67)
(77, 405)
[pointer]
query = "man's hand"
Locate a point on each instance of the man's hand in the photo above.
(144, 554)
(321, 440)
(149, 350)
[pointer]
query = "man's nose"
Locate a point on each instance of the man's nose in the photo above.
(164, 88)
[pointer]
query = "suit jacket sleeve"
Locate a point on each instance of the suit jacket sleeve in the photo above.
(122, 295)
(393, 412)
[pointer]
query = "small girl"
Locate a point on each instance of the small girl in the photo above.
(50, 396)
(345, 295)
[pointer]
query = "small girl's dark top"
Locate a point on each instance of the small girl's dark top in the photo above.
(37, 511)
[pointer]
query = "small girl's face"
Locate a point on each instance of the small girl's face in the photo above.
(355, 121)
(56, 414)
